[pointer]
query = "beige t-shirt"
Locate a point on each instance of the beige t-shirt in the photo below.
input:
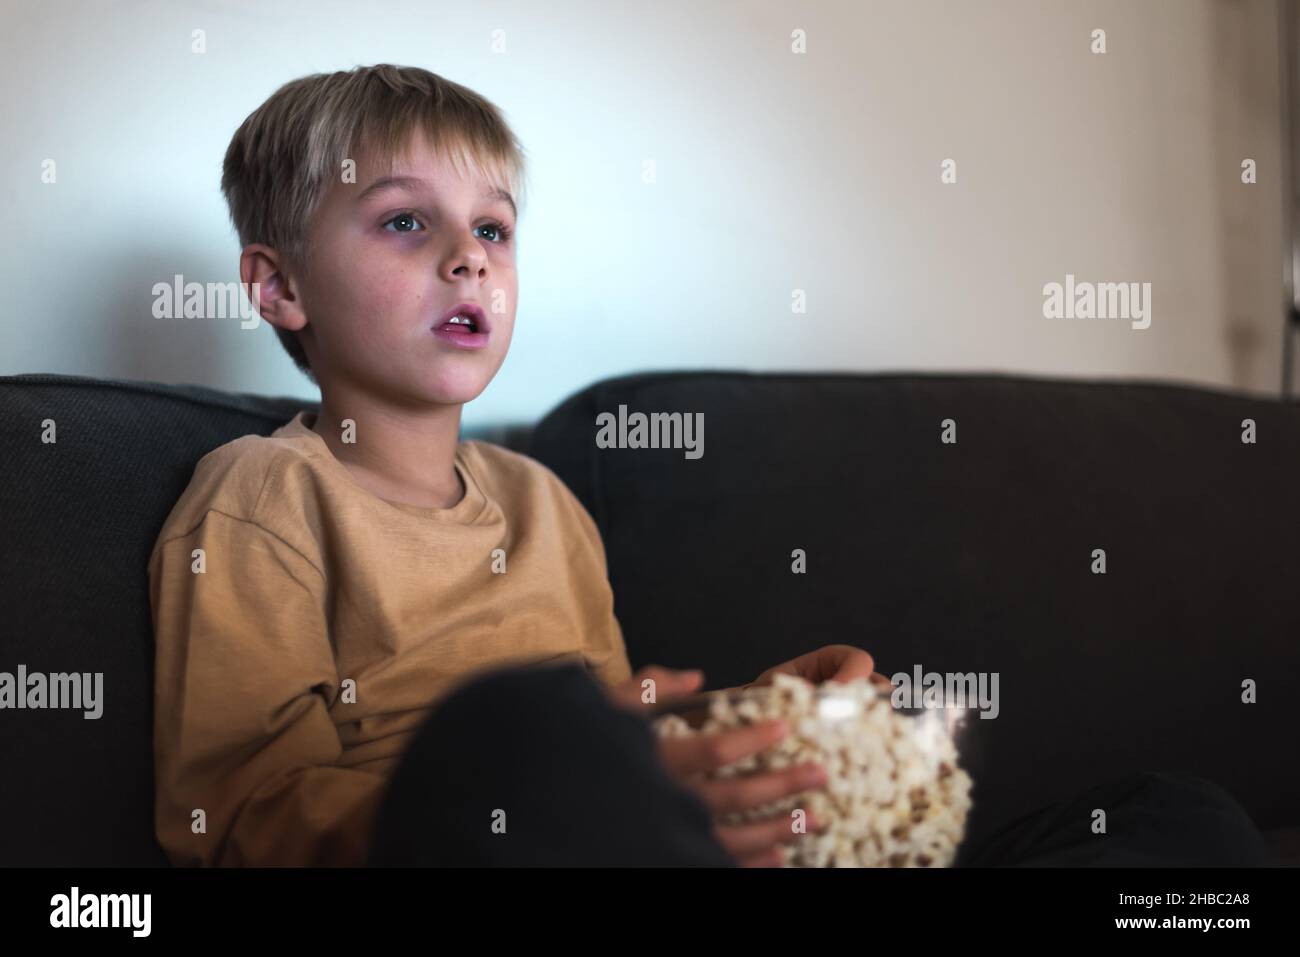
(293, 669)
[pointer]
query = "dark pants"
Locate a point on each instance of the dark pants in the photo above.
(573, 779)
(533, 766)
(1155, 819)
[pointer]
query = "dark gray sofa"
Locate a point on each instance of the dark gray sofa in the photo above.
(967, 557)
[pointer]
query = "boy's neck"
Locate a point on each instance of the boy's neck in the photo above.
(401, 455)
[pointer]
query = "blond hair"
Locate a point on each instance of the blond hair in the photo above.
(283, 156)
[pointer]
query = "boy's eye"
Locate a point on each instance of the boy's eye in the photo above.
(407, 223)
(402, 218)
(502, 232)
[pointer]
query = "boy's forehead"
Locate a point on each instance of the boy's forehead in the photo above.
(418, 160)
(418, 169)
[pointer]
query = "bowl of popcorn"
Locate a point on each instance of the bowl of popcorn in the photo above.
(896, 795)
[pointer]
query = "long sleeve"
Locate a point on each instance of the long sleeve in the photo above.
(245, 677)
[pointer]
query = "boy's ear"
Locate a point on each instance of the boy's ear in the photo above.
(276, 300)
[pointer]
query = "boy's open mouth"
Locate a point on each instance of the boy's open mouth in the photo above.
(464, 325)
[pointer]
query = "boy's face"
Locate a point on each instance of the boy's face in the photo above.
(389, 262)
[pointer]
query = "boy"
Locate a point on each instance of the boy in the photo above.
(316, 591)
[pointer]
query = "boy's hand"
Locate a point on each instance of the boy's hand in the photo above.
(668, 685)
(757, 844)
(828, 663)
(690, 759)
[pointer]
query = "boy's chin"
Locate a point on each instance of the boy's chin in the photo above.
(454, 389)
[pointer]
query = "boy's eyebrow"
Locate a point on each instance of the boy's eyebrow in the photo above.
(414, 182)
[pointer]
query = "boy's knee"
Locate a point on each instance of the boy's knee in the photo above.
(1194, 816)
(1181, 789)
(526, 714)
(541, 692)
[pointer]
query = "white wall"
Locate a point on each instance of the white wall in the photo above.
(776, 172)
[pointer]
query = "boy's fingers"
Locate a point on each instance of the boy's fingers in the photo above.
(847, 663)
(681, 681)
(708, 752)
(726, 795)
(668, 684)
(742, 840)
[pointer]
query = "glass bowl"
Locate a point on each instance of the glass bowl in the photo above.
(897, 794)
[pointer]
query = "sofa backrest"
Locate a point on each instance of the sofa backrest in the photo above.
(967, 557)
(78, 519)
(976, 556)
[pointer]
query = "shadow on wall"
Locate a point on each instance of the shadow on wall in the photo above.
(218, 347)
(1247, 115)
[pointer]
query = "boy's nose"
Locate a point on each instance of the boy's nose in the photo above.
(465, 258)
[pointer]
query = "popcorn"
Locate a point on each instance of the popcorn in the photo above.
(895, 797)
